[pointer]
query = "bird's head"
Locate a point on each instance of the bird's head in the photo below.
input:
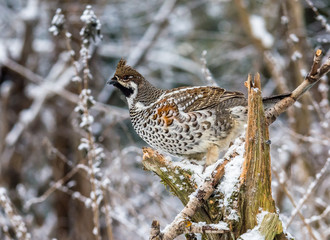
(138, 91)
(126, 79)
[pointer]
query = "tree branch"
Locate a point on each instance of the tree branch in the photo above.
(155, 162)
(311, 79)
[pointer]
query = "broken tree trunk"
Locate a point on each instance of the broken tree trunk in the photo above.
(256, 194)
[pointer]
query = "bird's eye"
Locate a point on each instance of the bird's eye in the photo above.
(127, 77)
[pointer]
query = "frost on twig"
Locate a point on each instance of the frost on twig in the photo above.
(91, 150)
(206, 72)
(57, 23)
(15, 219)
(92, 26)
(88, 146)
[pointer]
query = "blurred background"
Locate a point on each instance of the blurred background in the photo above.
(170, 42)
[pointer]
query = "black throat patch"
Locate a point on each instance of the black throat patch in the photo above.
(126, 91)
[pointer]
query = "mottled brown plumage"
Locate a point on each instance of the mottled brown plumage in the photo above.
(190, 122)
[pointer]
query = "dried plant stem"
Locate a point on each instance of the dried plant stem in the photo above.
(107, 214)
(72, 54)
(91, 149)
(91, 153)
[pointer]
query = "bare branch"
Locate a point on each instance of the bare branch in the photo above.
(54, 186)
(312, 77)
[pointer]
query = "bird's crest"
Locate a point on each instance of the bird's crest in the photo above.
(123, 70)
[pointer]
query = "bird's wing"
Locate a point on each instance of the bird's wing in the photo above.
(190, 99)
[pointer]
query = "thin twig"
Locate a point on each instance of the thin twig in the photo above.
(107, 214)
(52, 189)
(206, 72)
(91, 156)
(15, 219)
(286, 191)
(319, 217)
(309, 191)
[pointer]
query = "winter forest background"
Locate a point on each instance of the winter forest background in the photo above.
(46, 190)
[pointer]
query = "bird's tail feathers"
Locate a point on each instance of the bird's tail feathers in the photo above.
(271, 101)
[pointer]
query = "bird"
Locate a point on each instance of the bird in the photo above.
(193, 122)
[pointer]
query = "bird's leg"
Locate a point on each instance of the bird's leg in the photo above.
(211, 156)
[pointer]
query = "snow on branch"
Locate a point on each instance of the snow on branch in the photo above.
(182, 223)
(15, 219)
(206, 72)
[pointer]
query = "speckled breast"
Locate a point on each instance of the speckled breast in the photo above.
(179, 133)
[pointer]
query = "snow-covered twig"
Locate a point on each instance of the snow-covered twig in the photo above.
(322, 19)
(15, 219)
(319, 217)
(94, 154)
(187, 227)
(107, 211)
(206, 72)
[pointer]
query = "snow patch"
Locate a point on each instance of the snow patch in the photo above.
(258, 27)
(294, 38)
(232, 170)
(254, 234)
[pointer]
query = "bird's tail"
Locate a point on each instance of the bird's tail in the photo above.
(271, 101)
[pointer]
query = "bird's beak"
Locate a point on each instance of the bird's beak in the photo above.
(113, 80)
